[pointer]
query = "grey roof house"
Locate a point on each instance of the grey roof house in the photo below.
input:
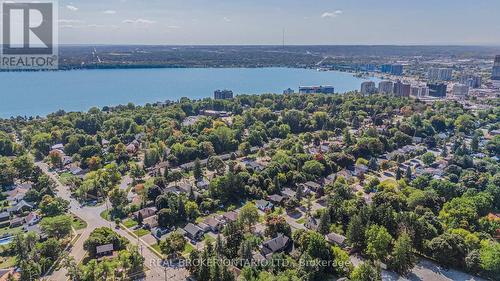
(193, 232)
(275, 245)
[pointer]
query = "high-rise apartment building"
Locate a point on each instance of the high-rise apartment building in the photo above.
(471, 80)
(402, 89)
(496, 69)
(385, 87)
(394, 69)
(440, 74)
(223, 94)
(368, 88)
(419, 91)
(437, 90)
(460, 90)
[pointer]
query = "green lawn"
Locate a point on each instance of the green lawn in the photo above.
(141, 232)
(7, 262)
(129, 223)
(207, 238)
(78, 223)
(156, 246)
(106, 215)
(64, 178)
(12, 231)
(187, 249)
(301, 220)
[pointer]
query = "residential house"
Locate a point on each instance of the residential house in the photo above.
(275, 245)
(67, 160)
(193, 232)
(150, 222)
(346, 174)
(158, 232)
(336, 239)
(15, 222)
(359, 169)
(145, 213)
(215, 224)
(104, 250)
(21, 206)
(276, 199)
(314, 186)
(76, 171)
(264, 205)
(288, 193)
(330, 178)
(205, 227)
(311, 223)
(5, 274)
(202, 184)
(36, 229)
(231, 216)
(32, 219)
(181, 188)
(4, 219)
(16, 195)
(58, 146)
(255, 166)
(131, 149)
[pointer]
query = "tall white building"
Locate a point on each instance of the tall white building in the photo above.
(471, 80)
(460, 90)
(368, 88)
(419, 91)
(386, 87)
(440, 74)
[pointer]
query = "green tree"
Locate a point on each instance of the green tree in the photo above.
(173, 245)
(490, 257)
(102, 236)
(277, 224)
(215, 164)
(324, 223)
(118, 200)
(233, 232)
(402, 259)
(366, 272)
(51, 206)
(57, 227)
(313, 168)
(249, 215)
(378, 241)
(428, 158)
(356, 232)
(197, 171)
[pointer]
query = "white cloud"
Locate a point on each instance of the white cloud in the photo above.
(110, 12)
(72, 8)
(332, 14)
(102, 26)
(69, 21)
(226, 19)
(173, 27)
(139, 21)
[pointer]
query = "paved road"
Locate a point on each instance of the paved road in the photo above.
(91, 215)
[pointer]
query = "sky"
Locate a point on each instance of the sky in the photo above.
(261, 22)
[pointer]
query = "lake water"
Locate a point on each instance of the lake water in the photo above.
(40, 93)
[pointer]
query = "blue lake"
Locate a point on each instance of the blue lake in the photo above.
(40, 93)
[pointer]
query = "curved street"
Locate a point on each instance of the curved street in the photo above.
(91, 215)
